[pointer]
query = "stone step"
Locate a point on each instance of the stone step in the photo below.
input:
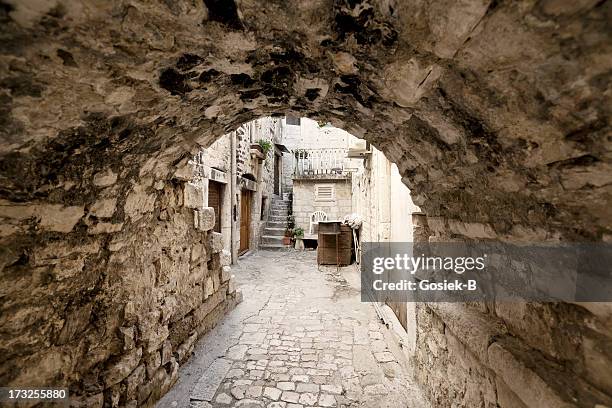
(271, 239)
(274, 247)
(277, 224)
(279, 213)
(275, 231)
(277, 218)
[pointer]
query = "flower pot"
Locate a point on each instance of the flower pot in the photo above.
(299, 244)
(286, 241)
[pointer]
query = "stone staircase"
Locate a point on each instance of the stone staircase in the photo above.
(272, 237)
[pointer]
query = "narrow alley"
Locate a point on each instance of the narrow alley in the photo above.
(300, 338)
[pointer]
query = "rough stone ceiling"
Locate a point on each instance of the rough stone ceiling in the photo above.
(496, 112)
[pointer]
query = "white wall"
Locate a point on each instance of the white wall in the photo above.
(383, 201)
(304, 202)
(309, 135)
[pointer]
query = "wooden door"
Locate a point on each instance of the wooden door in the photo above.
(215, 193)
(277, 163)
(245, 220)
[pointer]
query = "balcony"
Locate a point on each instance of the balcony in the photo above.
(321, 164)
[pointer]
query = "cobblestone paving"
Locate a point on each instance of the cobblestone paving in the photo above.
(301, 338)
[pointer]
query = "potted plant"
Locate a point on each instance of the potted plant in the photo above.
(265, 145)
(287, 237)
(298, 234)
(290, 222)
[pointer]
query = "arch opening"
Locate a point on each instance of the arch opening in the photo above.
(500, 133)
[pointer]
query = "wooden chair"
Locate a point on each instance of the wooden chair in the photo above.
(315, 217)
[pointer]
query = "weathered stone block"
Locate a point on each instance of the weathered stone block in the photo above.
(215, 240)
(198, 252)
(153, 362)
(76, 322)
(185, 172)
(155, 337)
(226, 273)
(183, 351)
(525, 383)
(597, 351)
(226, 258)
(105, 228)
(216, 280)
(213, 301)
(103, 208)
(436, 224)
(473, 328)
(104, 178)
(127, 335)
(115, 395)
(193, 196)
(122, 368)
(130, 313)
(209, 287)
(56, 217)
(166, 352)
(206, 219)
(138, 203)
(506, 398)
(471, 229)
(134, 381)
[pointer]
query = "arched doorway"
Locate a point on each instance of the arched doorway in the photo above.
(498, 125)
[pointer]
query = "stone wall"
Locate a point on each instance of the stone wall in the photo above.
(382, 201)
(109, 298)
(304, 202)
(217, 156)
(509, 354)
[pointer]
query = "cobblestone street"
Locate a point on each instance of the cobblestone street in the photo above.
(300, 338)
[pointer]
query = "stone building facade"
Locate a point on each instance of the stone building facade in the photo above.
(321, 170)
(306, 199)
(389, 215)
(381, 199)
(233, 168)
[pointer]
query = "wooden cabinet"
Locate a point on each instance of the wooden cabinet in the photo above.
(335, 244)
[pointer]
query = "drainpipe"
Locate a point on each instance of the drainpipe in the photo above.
(234, 202)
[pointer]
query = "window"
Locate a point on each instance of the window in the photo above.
(215, 198)
(292, 120)
(325, 192)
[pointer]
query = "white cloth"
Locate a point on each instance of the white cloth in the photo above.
(353, 220)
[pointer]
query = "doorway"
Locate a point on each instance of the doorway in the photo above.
(245, 221)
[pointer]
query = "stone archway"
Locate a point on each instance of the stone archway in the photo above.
(496, 114)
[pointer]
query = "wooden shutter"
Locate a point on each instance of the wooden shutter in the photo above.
(215, 191)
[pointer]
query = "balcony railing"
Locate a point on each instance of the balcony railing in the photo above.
(320, 162)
